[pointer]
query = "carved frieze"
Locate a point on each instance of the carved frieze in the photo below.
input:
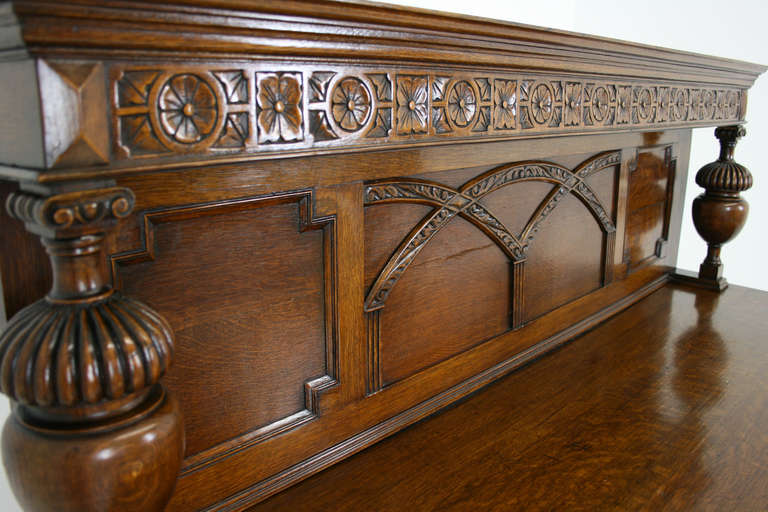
(169, 111)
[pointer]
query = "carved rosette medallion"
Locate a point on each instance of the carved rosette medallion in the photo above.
(679, 110)
(280, 115)
(185, 111)
(462, 104)
(350, 104)
(188, 109)
(708, 104)
(541, 103)
(411, 105)
(644, 106)
(601, 104)
(504, 104)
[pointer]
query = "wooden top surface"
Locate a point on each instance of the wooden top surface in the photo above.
(663, 407)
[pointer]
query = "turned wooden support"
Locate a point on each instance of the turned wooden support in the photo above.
(92, 428)
(720, 212)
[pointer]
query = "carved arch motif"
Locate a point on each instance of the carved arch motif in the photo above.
(465, 202)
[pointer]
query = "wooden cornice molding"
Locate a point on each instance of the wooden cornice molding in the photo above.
(343, 30)
(133, 86)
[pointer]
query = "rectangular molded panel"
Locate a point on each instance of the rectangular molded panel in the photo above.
(244, 291)
(649, 192)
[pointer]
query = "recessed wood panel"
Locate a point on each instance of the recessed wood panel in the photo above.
(648, 183)
(565, 260)
(645, 227)
(649, 190)
(515, 205)
(244, 292)
(455, 294)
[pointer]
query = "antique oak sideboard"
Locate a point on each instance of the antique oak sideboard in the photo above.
(274, 233)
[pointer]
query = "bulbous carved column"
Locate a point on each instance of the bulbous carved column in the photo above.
(92, 428)
(720, 212)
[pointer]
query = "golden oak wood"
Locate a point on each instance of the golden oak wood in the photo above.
(346, 216)
(657, 408)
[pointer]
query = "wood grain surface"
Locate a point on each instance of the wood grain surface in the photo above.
(660, 408)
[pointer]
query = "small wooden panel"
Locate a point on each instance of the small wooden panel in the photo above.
(648, 183)
(565, 261)
(649, 192)
(645, 227)
(244, 291)
(455, 295)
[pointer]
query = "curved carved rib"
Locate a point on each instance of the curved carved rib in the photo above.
(581, 190)
(411, 191)
(488, 223)
(404, 255)
(465, 202)
(508, 174)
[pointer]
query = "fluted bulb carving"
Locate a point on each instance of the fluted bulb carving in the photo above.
(66, 355)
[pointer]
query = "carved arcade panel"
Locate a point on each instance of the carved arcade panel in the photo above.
(466, 250)
(247, 285)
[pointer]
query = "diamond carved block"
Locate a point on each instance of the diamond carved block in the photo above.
(73, 96)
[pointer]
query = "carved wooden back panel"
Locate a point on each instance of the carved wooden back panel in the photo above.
(350, 216)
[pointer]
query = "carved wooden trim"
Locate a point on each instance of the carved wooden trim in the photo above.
(671, 165)
(73, 213)
(165, 111)
(449, 203)
(314, 387)
(373, 333)
(518, 286)
(333, 30)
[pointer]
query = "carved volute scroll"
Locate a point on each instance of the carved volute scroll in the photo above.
(720, 212)
(82, 367)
